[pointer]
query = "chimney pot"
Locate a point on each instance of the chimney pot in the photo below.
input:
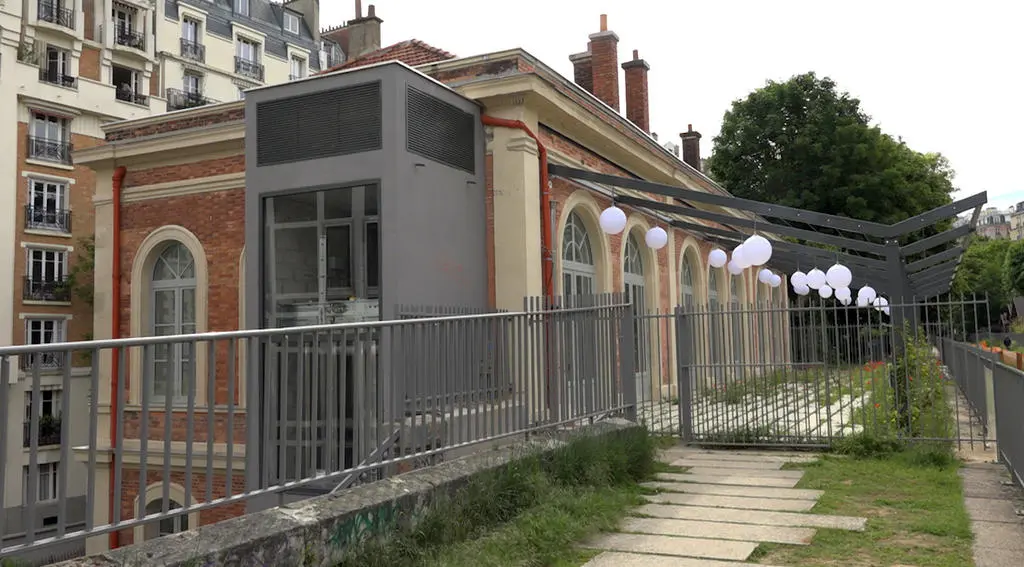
(372, 11)
(691, 147)
(604, 22)
(359, 9)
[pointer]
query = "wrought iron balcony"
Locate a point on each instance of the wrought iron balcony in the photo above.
(47, 360)
(49, 431)
(54, 78)
(128, 95)
(178, 99)
(128, 38)
(248, 68)
(50, 150)
(192, 50)
(47, 219)
(54, 13)
(52, 290)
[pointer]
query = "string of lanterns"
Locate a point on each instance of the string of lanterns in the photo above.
(613, 221)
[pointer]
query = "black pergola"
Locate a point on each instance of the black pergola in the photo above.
(879, 255)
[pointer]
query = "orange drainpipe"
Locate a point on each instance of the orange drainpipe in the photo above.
(115, 332)
(548, 261)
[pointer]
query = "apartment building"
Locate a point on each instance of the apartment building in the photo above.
(68, 68)
(1017, 221)
(995, 222)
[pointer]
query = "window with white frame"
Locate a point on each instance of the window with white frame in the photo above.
(173, 312)
(190, 30)
(124, 17)
(58, 66)
(192, 83)
(48, 205)
(298, 67)
(248, 50)
(291, 23)
(48, 138)
(44, 331)
(49, 403)
(47, 265)
(242, 7)
(46, 482)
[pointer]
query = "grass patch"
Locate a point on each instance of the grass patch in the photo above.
(911, 495)
(530, 511)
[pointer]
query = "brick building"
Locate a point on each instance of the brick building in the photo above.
(184, 191)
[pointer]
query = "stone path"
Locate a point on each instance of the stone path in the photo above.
(717, 512)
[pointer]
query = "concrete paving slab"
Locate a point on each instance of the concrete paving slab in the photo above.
(743, 472)
(677, 546)
(728, 490)
(616, 559)
(783, 519)
(724, 464)
(998, 535)
(740, 502)
(780, 456)
(718, 530)
(734, 480)
(992, 510)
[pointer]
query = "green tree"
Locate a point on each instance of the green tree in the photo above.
(1013, 269)
(802, 143)
(980, 274)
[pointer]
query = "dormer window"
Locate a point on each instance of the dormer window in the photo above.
(242, 7)
(291, 23)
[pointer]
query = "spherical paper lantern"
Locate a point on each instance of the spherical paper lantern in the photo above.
(886, 310)
(863, 301)
(717, 258)
(845, 301)
(734, 268)
(825, 291)
(739, 258)
(843, 293)
(880, 303)
(612, 220)
(815, 279)
(656, 238)
(757, 250)
(798, 278)
(776, 280)
(765, 275)
(867, 292)
(801, 289)
(839, 276)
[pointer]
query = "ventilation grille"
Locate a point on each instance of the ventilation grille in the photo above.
(319, 125)
(440, 131)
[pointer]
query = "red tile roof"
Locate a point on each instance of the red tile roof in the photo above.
(412, 52)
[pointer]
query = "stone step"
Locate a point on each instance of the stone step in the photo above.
(725, 464)
(784, 519)
(740, 502)
(718, 530)
(779, 456)
(616, 559)
(734, 480)
(727, 490)
(677, 546)
(709, 471)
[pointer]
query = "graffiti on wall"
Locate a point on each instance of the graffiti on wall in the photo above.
(364, 525)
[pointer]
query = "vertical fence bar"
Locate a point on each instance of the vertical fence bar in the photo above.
(90, 490)
(232, 378)
(684, 356)
(5, 386)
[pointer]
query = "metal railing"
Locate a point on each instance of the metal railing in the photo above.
(49, 432)
(129, 38)
(1008, 399)
(193, 50)
(248, 68)
(252, 419)
(46, 290)
(128, 95)
(178, 99)
(54, 13)
(47, 219)
(50, 150)
(60, 79)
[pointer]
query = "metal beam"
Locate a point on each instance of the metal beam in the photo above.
(935, 259)
(932, 290)
(939, 239)
(947, 266)
(935, 215)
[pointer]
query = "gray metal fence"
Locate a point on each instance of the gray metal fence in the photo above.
(1008, 399)
(175, 431)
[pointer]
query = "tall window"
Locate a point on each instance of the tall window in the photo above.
(44, 332)
(298, 68)
(47, 265)
(686, 282)
(242, 7)
(578, 272)
(191, 83)
(47, 205)
(291, 23)
(173, 302)
(58, 66)
(190, 30)
(124, 18)
(248, 50)
(46, 482)
(49, 404)
(48, 138)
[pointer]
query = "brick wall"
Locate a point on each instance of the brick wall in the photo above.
(89, 65)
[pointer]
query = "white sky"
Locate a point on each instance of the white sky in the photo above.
(946, 76)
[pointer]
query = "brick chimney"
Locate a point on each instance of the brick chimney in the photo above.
(583, 69)
(363, 32)
(604, 49)
(691, 147)
(637, 109)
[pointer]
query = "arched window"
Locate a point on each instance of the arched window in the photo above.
(578, 271)
(686, 282)
(173, 300)
(166, 526)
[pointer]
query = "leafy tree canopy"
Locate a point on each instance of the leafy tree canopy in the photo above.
(803, 144)
(982, 273)
(1013, 269)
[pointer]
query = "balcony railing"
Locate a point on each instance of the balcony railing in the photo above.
(50, 150)
(49, 431)
(46, 290)
(129, 38)
(128, 95)
(60, 79)
(47, 219)
(192, 50)
(248, 68)
(54, 13)
(47, 360)
(178, 99)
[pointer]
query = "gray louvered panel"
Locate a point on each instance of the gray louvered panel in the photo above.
(325, 124)
(439, 131)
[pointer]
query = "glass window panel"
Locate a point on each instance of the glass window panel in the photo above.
(295, 208)
(295, 259)
(162, 271)
(162, 371)
(188, 306)
(372, 255)
(164, 307)
(338, 203)
(339, 257)
(372, 200)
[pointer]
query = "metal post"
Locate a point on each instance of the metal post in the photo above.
(627, 374)
(684, 358)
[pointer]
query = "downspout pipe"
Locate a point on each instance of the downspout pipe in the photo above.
(547, 254)
(115, 331)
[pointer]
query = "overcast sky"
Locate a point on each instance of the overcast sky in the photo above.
(946, 76)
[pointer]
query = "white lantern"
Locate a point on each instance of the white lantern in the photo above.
(839, 276)
(717, 258)
(880, 303)
(801, 289)
(757, 250)
(739, 258)
(863, 301)
(612, 220)
(765, 275)
(825, 291)
(656, 238)
(845, 301)
(734, 268)
(886, 310)
(843, 293)
(798, 278)
(868, 293)
(815, 278)
(776, 280)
